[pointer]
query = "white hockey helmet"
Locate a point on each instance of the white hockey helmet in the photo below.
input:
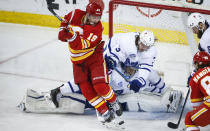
(147, 38)
(194, 19)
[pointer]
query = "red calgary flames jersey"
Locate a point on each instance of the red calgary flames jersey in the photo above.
(87, 38)
(200, 87)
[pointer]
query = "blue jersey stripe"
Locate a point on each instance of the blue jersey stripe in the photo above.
(146, 69)
(157, 82)
(71, 87)
(109, 47)
(160, 89)
(38, 97)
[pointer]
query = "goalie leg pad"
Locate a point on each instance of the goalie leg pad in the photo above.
(142, 101)
(71, 103)
(174, 100)
(151, 102)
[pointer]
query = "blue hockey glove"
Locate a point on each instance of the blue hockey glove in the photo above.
(110, 62)
(137, 83)
(129, 63)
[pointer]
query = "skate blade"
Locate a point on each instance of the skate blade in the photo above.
(115, 125)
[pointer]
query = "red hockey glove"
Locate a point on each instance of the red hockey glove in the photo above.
(66, 34)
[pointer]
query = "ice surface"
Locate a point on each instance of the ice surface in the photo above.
(32, 57)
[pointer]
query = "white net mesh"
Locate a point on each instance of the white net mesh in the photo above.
(167, 25)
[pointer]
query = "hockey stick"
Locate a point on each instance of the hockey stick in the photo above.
(174, 125)
(51, 6)
(125, 77)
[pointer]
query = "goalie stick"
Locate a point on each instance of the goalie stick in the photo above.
(176, 125)
(125, 77)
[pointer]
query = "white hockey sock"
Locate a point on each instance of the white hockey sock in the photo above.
(69, 87)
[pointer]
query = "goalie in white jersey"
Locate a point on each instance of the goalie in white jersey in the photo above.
(139, 87)
(136, 52)
(201, 27)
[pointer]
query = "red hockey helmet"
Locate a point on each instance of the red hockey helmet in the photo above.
(202, 58)
(94, 9)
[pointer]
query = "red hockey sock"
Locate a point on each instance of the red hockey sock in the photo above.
(105, 91)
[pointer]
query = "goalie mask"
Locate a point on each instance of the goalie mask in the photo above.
(196, 22)
(146, 40)
(129, 71)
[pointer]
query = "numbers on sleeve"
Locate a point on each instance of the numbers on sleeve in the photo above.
(205, 82)
(117, 49)
(92, 37)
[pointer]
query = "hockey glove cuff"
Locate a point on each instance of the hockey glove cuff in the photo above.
(66, 34)
(110, 62)
(137, 83)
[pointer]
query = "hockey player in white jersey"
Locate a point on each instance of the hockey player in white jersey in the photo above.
(201, 27)
(140, 88)
(137, 51)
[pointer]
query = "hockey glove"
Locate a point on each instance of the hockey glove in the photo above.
(130, 63)
(137, 83)
(110, 62)
(66, 34)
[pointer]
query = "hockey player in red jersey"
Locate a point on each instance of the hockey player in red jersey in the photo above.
(83, 32)
(200, 93)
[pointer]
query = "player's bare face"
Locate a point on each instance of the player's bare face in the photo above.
(195, 30)
(195, 66)
(142, 47)
(92, 19)
(199, 30)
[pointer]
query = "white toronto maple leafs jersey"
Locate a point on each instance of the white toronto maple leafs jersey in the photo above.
(121, 47)
(146, 60)
(204, 43)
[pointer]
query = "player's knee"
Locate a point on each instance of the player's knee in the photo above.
(102, 88)
(87, 90)
(105, 91)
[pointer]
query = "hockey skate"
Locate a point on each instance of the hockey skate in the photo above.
(108, 116)
(51, 97)
(175, 98)
(117, 122)
(110, 120)
(116, 107)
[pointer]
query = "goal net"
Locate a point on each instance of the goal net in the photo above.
(168, 20)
